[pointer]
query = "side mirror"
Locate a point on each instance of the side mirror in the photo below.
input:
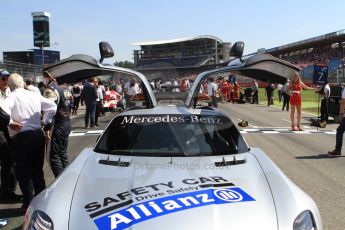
(106, 50)
(237, 49)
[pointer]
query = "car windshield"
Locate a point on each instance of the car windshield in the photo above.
(170, 135)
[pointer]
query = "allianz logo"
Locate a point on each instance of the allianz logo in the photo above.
(228, 195)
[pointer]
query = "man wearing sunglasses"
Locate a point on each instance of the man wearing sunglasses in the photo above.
(8, 180)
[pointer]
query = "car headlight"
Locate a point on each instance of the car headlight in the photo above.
(304, 221)
(38, 220)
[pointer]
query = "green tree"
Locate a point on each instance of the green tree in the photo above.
(125, 64)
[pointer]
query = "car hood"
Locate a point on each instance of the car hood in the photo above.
(216, 192)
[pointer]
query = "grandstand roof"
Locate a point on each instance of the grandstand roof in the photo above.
(161, 42)
(326, 39)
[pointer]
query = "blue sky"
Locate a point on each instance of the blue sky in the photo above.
(78, 25)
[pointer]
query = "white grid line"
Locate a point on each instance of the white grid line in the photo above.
(243, 131)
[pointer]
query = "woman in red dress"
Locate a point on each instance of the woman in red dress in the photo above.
(295, 88)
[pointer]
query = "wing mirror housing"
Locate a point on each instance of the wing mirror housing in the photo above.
(106, 51)
(237, 50)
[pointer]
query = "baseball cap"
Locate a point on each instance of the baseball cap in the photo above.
(4, 73)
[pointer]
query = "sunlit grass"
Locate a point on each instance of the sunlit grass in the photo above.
(309, 100)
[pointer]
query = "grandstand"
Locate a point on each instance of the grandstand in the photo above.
(324, 50)
(185, 57)
(179, 57)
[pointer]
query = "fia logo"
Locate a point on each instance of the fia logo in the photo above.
(228, 195)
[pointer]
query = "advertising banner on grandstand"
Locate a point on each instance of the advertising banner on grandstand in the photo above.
(320, 74)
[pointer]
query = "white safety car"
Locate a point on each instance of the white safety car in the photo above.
(172, 164)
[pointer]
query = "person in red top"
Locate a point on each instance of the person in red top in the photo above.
(183, 85)
(224, 88)
(295, 87)
(229, 90)
(237, 87)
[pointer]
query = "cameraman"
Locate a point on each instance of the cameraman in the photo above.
(325, 92)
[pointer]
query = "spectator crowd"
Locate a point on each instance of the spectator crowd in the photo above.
(314, 56)
(35, 120)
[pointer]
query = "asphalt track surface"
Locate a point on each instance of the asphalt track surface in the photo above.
(301, 156)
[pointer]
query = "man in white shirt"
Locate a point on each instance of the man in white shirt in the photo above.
(166, 86)
(152, 83)
(28, 139)
(279, 88)
(255, 90)
(212, 89)
(175, 87)
(99, 100)
(102, 87)
(340, 129)
(285, 95)
(133, 90)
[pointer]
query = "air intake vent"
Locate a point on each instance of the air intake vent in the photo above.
(118, 163)
(226, 162)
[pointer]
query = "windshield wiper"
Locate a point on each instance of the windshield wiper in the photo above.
(100, 150)
(115, 152)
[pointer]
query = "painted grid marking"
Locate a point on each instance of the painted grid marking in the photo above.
(286, 131)
(243, 131)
